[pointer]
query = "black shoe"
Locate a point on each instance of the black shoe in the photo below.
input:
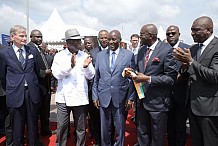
(97, 144)
(46, 133)
(39, 143)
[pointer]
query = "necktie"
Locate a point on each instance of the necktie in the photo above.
(147, 57)
(44, 59)
(199, 51)
(112, 60)
(21, 57)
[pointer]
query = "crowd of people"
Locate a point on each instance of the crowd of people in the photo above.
(178, 81)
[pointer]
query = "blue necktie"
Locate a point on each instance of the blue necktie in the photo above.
(112, 61)
(21, 58)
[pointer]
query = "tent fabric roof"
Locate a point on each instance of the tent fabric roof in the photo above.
(54, 28)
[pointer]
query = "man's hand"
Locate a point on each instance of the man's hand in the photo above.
(182, 55)
(141, 78)
(48, 72)
(87, 61)
(129, 105)
(73, 60)
(96, 103)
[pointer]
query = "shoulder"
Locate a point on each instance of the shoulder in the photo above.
(184, 45)
(127, 52)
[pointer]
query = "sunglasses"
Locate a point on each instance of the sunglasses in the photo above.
(169, 33)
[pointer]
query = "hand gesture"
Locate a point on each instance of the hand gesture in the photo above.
(73, 60)
(141, 78)
(87, 61)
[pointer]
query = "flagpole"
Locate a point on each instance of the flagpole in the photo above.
(27, 19)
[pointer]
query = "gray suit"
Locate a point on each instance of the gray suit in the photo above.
(111, 89)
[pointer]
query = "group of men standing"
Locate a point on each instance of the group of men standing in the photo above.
(177, 80)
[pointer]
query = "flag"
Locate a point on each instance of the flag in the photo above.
(5, 39)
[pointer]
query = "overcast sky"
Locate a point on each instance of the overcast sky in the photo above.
(128, 16)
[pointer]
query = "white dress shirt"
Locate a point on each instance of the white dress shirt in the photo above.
(17, 52)
(116, 53)
(72, 82)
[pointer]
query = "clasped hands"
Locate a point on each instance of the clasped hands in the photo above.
(86, 62)
(184, 56)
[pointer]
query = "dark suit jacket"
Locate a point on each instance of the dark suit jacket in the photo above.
(93, 53)
(13, 76)
(180, 86)
(44, 81)
(111, 86)
(203, 80)
(163, 75)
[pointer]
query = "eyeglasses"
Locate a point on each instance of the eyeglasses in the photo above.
(169, 33)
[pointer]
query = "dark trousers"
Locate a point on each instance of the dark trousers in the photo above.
(204, 130)
(45, 111)
(3, 113)
(176, 124)
(151, 127)
(25, 114)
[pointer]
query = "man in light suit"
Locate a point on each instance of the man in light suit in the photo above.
(176, 129)
(157, 72)
(201, 63)
(18, 74)
(110, 89)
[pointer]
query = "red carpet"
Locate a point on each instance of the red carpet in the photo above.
(130, 136)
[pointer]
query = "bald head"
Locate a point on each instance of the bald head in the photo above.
(114, 39)
(206, 22)
(36, 36)
(148, 34)
(202, 29)
(172, 34)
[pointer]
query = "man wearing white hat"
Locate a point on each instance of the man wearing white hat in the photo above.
(72, 68)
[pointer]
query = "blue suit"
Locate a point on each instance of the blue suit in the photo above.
(20, 99)
(151, 114)
(112, 91)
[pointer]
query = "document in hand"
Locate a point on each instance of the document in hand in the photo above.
(138, 86)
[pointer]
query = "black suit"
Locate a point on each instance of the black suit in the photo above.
(203, 95)
(177, 116)
(93, 111)
(45, 87)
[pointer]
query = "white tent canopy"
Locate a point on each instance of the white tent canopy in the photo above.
(54, 29)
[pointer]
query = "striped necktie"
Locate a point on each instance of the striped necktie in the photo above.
(146, 57)
(21, 57)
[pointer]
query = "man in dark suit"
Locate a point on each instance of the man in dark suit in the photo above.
(176, 129)
(94, 114)
(201, 63)
(18, 74)
(44, 81)
(157, 73)
(110, 89)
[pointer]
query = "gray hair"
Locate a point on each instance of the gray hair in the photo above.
(17, 28)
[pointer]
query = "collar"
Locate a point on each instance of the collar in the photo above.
(176, 45)
(152, 47)
(116, 51)
(16, 48)
(104, 48)
(205, 43)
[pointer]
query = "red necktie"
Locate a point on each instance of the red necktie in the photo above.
(147, 57)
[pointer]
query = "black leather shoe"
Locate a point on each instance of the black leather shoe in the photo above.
(46, 133)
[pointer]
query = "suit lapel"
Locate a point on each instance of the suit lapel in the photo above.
(107, 60)
(120, 56)
(27, 49)
(154, 53)
(14, 56)
(208, 48)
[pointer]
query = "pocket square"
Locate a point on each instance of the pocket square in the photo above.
(157, 60)
(30, 56)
